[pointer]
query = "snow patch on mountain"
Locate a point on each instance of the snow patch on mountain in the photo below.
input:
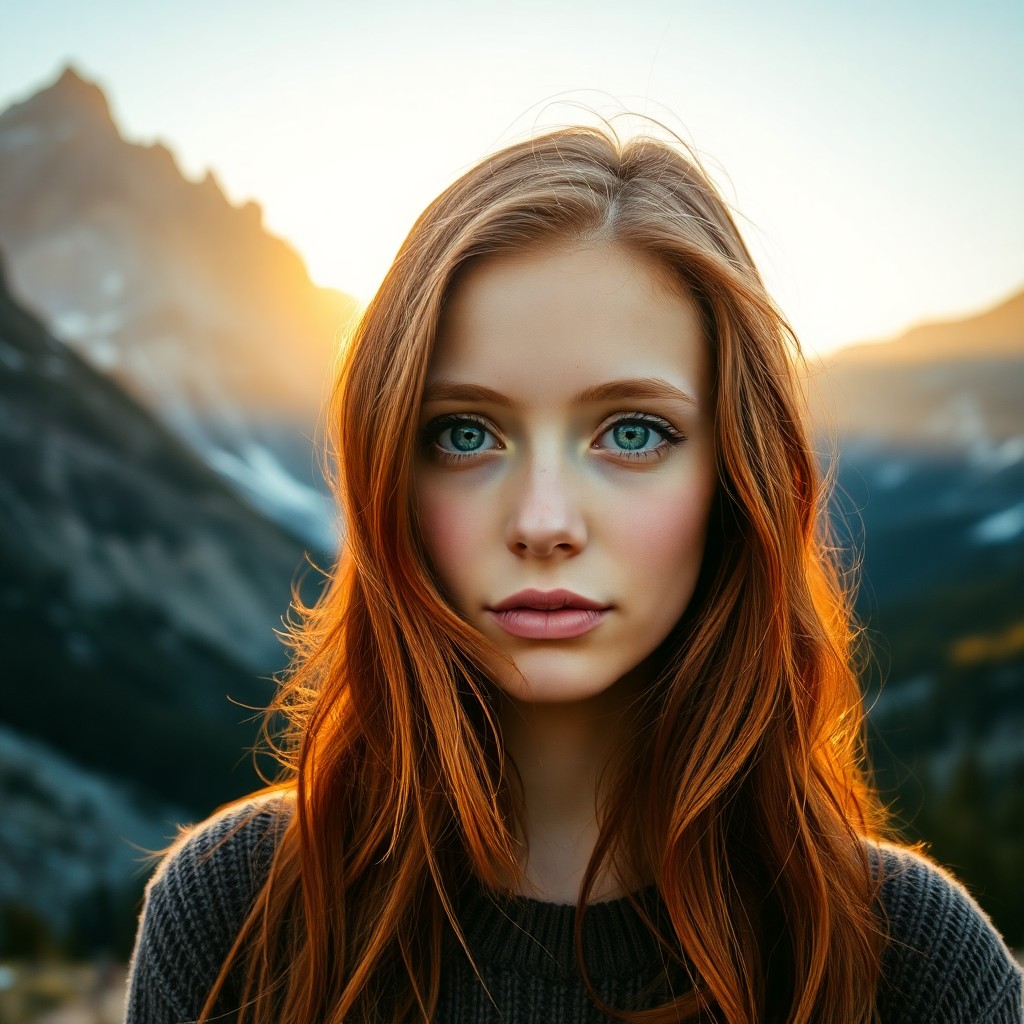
(1007, 454)
(76, 325)
(271, 488)
(1001, 527)
(102, 353)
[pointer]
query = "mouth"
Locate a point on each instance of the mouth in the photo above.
(548, 615)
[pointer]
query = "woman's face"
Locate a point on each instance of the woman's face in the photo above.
(566, 464)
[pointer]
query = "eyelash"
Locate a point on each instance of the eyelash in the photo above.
(671, 437)
(435, 428)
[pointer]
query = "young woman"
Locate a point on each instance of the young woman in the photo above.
(575, 732)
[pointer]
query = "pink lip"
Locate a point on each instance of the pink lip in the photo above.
(548, 614)
(547, 600)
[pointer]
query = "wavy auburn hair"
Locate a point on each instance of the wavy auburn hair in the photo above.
(743, 796)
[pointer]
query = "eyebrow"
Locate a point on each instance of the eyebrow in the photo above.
(444, 390)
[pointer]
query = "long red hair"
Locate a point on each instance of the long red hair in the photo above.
(743, 793)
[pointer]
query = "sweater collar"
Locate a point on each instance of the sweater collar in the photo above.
(538, 937)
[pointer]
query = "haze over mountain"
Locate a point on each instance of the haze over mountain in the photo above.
(948, 386)
(991, 333)
(175, 293)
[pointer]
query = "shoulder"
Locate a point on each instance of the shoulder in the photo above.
(944, 959)
(225, 857)
(195, 905)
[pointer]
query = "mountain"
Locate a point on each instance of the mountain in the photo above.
(940, 387)
(928, 431)
(932, 447)
(74, 846)
(139, 593)
(993, 333)
(138, 603)
(184, 299)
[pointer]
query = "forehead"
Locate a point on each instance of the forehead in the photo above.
(539, 324)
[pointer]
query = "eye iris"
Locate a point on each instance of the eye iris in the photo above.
(467, 438)
(631, 436)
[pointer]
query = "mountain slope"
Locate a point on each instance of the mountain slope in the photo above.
(945, 387)
(139, 594)
(181, 297)
(930, 434)
(991, 334)
(932, 448)
(73, 843)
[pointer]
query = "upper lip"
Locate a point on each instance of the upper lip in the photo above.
(547, 600)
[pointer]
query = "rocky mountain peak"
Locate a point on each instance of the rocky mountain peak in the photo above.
(71, 101)
(162, 282)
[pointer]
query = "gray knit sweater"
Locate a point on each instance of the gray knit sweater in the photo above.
(945, 963)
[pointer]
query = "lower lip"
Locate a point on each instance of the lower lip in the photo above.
(560, 624)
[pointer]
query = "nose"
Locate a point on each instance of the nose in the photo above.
(546, 514)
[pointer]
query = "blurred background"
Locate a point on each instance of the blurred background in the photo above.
(196, 199)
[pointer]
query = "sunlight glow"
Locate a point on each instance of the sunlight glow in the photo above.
(876, 175)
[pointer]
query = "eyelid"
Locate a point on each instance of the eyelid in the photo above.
(429, 433)
(665, 426)
(434, 427)
(671, 437)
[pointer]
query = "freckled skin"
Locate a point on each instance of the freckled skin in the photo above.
(548, 495)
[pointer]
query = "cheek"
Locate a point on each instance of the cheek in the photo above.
(666, 543)
(451, 527)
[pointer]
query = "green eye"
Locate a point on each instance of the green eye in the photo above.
(466, 437)
(452, 438)
(640, 436)
(631, 436)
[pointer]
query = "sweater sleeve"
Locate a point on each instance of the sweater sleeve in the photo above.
(195, 905)
(945, 962)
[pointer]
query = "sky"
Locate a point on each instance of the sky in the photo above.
(874, 151)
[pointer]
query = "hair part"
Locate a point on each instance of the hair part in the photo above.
(743, 792)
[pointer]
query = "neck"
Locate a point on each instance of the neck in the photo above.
(561, 751)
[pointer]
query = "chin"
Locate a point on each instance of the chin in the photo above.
(535, 685)
(552, 692)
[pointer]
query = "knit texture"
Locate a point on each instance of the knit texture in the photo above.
(944, 964)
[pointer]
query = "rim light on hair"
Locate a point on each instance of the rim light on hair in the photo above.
(744, 791)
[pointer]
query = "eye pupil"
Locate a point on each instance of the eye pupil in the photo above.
(631, 436)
